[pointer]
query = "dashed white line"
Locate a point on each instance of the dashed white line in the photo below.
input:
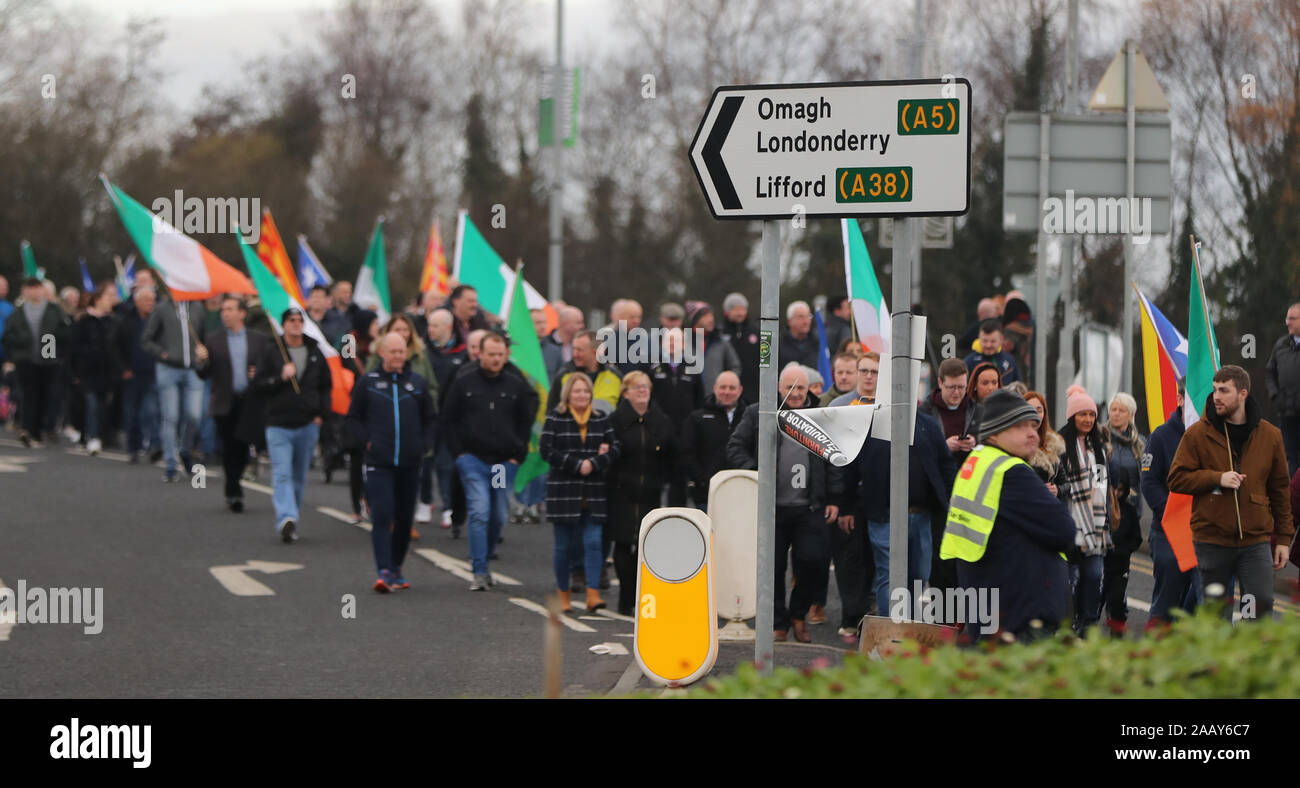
(528, 604)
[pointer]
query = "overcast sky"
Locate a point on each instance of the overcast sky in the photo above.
(208, 41)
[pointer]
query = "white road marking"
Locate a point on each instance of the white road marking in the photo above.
(628, 681)
(613, 649)
(240, 584)
(10, 619)
(444, 561)
(262, 488)
(1145, 607)
(12, 463)
(528, 604)
(342, 517)
(108, 455)
(616, 616)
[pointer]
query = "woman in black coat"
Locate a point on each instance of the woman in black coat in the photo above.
(580, 446)
(644, 464)
(92, 360)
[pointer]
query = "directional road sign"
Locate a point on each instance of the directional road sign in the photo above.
(836, 149)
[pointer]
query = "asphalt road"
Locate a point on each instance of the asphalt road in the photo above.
(171, 628)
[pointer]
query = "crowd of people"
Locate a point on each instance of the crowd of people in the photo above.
(439, 416)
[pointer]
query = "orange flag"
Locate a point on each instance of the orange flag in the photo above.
(271, 251)
(434, 275)
(1177, 525)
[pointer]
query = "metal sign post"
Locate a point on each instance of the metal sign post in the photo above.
(769, 326)
(901, 399)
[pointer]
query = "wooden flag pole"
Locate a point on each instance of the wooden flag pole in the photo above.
(284, 354)
(1235, 503)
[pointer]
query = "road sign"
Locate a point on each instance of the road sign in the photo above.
(836, 149)
(1087, 165)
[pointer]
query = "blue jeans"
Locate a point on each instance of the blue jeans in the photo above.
(94, 407)
(140, 413)
(534, 492)
(919, 547)
(207, 425)
(568, 534)
(487, 504)
(391, 494)
(290, 451)
(1174, 588)
(180, 393)
(1085, 585)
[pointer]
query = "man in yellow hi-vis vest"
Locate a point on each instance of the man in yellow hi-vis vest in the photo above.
(1006, 530)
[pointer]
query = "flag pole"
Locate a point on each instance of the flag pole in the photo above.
(1235, 504)
(284, 354)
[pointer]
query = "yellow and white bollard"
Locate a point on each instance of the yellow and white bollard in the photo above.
(676, 638)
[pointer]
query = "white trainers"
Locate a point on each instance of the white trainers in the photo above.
(72, 435)
(446, 518)
(93, 446)
(423, 513)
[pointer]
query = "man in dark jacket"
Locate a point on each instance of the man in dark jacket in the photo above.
(173, 335)
(865, 505)
(802, 510)
(837, 320)
(1009, 546)
(139, 392)
(393, 415)
(950, 404)
(446, 358)
(743, 336)
(990, 352)
(678, 390)
(37, 341)
(487, 420)
(703, 450)
(1234, 465)
(297, 396)
(557, 347)
(799, 341)
(339, 318)
(232, 352)
(1282, 375)
(1173, 587)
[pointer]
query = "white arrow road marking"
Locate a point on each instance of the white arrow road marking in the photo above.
(614, 649)
(10, 619)
(240, 584)
(330, 511)
(108, 455)
(528, 604)
(12, 463)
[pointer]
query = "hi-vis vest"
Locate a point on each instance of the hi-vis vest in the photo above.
(974, 503)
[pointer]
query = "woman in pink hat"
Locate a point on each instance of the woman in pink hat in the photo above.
(1085, 490)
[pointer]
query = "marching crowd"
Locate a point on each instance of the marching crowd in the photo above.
(438, 414)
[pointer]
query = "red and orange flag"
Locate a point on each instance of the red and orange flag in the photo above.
(271, 251)
(434, 275)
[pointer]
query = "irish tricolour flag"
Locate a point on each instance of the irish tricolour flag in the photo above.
(190, 271)
(275, 299)
(870, 314)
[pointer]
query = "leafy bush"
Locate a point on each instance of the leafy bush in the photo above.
(1199, 657)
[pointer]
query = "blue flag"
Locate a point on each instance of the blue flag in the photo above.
(310, 271)
(87, 284)
(823, 354)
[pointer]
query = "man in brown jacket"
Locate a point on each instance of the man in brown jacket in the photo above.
(1239, 501)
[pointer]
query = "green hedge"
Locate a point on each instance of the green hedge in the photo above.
(1199, 657)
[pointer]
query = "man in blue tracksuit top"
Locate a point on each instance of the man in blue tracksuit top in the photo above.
(394, 416)
(1173, 587)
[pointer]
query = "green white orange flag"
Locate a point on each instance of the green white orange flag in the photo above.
(275, 299)
(1202, 363)
(190, 271)
(477, 264)
(271, 251)
(371, 289)
(434, 275)
(526, 353)
(870, 315)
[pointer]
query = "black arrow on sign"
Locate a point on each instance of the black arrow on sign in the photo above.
(713, 152)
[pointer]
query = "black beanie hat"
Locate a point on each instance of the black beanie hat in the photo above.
(1003, 409)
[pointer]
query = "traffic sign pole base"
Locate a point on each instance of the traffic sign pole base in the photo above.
(736, 630)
